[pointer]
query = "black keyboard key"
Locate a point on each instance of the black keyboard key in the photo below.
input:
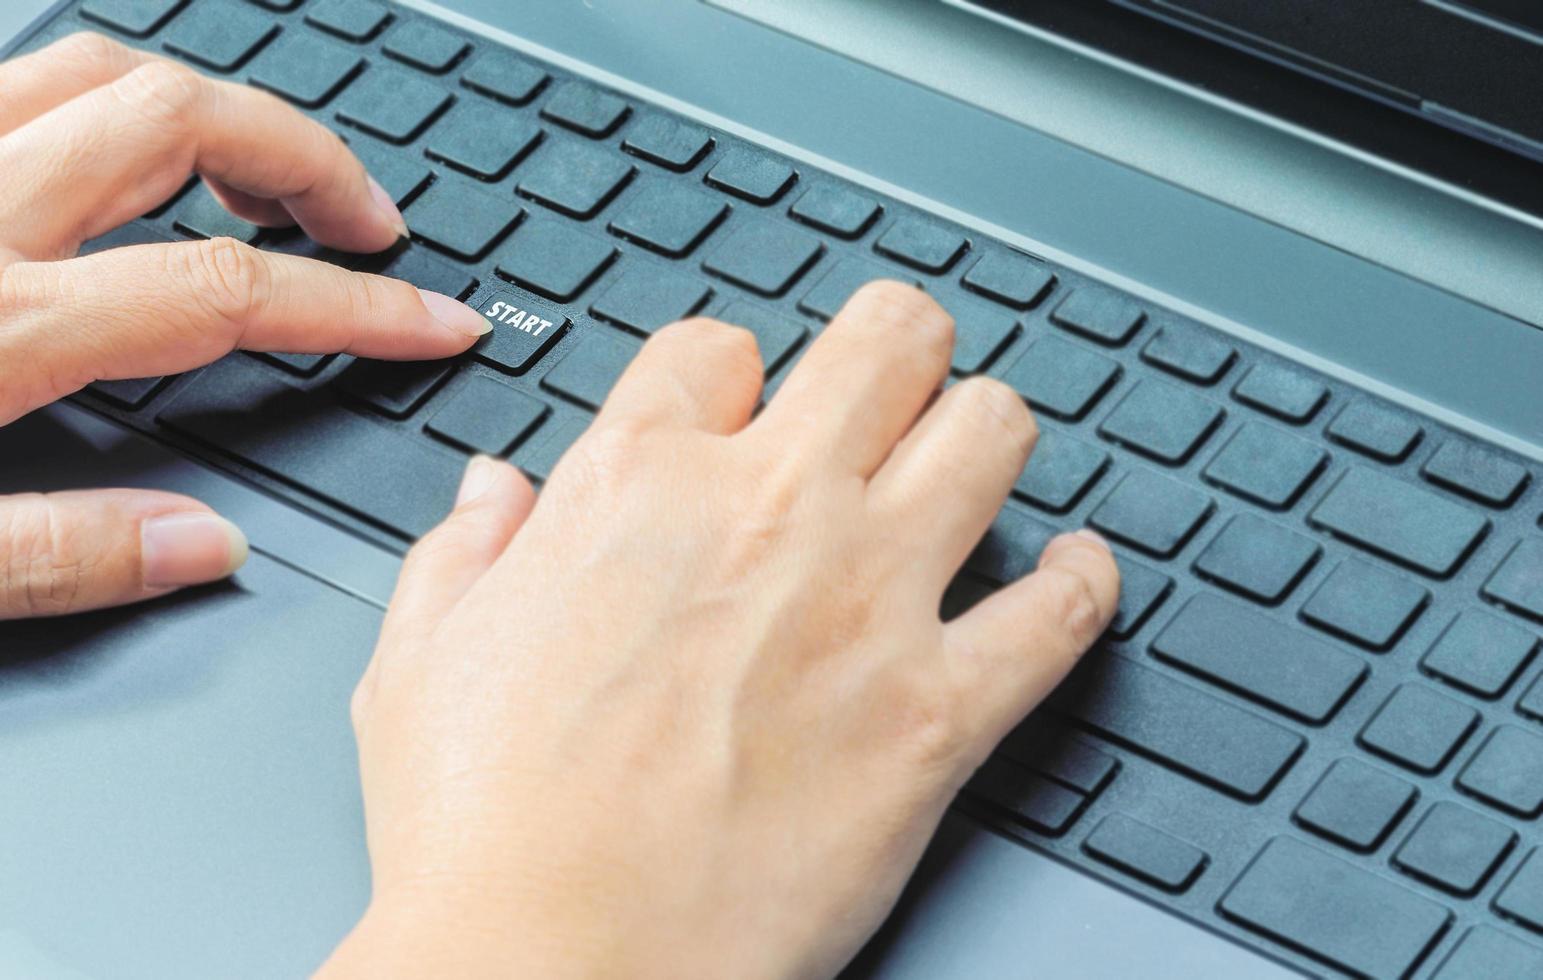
(1257, 559)
(1162, 421)
(835, 209)
(671, 143)
(539, 454)
(1365, 605)
(1480, 653)
(392, 103)
(1190, 354)
(1518, 583)
(1050, 749)
(463, 222)
(1522, 897)
(1157, 858)
(1060, 472)
(1376, 431)
(393, 387)
(776, 335)
(1178, 725)
(1061, 379)
(1010, 278)
(1531, 703)
(765, 257)
(1025, 797)
(1141, 592)
(1011, 546)
(278, 4)
(352, 20)
(644, 298)
(1152, 513)
(1487, 953)
(1507, 772)
(523, 330)
(305, 69)
(127, 392)
(502, 76)
(140, 18)
(303, 365)
(981, 332)
(219, 34)
(1454, 849)
(922, 244)
(202, 216)
(1285, 393)
(1264, 660)
(831, 292)
(1099, 314)
(241, 408)
(587, 373)
(1333, 911)
(585, 109)
(669, 216)
(133, 233)
(755, 176)
(1477, 473)
(1263, 464)
(1399, 521)
(574, 178)
(485, 415)
(1418, 728)
(551, 258)
(465, 141)
(424, 44)
(418, 266)
(1356, 805)
(402, 176)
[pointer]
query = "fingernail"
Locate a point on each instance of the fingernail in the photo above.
(457, 316)
(479, 475)
(388, 207)
(1093, 536)
(186, 549)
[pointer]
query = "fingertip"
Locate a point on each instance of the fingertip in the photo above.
(454, 315)
(189, 548)
(386, 205)
(1086, 554)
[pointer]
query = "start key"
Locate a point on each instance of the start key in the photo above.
(523, 329)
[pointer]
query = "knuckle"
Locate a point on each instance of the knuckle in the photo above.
(1000, 408)
(162, 90)
(228, 277)
(932, 725)
(1074, 604)
(43, 576)
(608, 457)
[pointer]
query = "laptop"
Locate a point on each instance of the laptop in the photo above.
(1267, 273)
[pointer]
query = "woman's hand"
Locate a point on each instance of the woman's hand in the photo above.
(694, 713)
(93, 134)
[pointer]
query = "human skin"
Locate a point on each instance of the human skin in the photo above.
(691, 713)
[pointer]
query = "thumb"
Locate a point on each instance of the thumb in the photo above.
(76, 550)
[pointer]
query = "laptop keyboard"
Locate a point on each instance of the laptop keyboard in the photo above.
(1316, 724)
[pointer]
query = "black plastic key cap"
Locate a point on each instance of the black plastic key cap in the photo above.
(1531, 704)
(1099, 314)
(922, 244)
(1333, 911)
(1061, 379)
(1419, 729)
(1138, 849)
(502, 76)
(669, 216)
(392, 103)
(550, 257)
(1011, 546)
(1522, 897)
(201, 216)
(1260, 658)
(765, 257)
(1263, 464)
(587, 373)
(464, 222)
(776, 335)
(425, 45)
(1356, 805)
(303, 365)
(465, 141)
(1051, 749)
(836, 210)
(671, 143)
(1161, 420)
(523, 330)
(393, 387)
(420, 267)
(1009, 278)
(140, 18)
(402, 176)
(1477, 473)
(755, 176)
(1507, 772)
(1480, 653)
(1257, 559)
(576, 179)
(127, 392)
(1025, 797)
(1375, 430)
(1486, 953)
(585, 109)
(832, 290)
(1365, 605)
(644, 298)
(1283, 392)
(352, 20)
(981, 332)
(1399, 521)
(485, 415)
(219, 34)
(1152, 513)
(540, 453)
(1141, 591)
(1060, 472)
(305, 69)
(1518, 583)
(1178, 725)
(246, 410)
(1454, 849)
(1189, 354)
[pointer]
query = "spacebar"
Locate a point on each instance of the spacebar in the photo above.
(1180, 726)
(242, 408)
